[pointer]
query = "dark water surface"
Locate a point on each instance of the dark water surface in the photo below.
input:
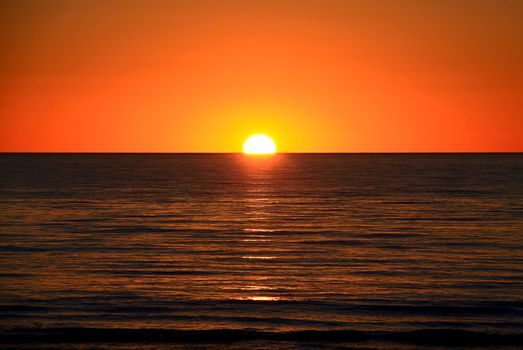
(377, 244)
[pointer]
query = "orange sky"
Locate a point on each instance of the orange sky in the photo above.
(318, 76)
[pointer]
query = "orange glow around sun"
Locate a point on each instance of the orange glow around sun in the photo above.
(323, 76)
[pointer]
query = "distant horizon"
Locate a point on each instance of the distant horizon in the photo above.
(265, 156)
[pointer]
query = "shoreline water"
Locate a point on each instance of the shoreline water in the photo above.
(422, 337)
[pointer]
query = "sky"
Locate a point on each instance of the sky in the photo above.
(317, 76)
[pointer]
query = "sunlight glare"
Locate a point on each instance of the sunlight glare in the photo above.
(259, 144)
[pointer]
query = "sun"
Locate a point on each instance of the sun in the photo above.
(259, 144)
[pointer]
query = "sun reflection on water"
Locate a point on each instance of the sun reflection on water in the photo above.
(258, 230)
(257, 287)
(260, 298)
(259, 201)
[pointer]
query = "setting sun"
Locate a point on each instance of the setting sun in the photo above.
(259, 144)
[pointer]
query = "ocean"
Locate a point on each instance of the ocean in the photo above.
(168, 251)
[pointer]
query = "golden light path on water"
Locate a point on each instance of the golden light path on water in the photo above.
(259, 209)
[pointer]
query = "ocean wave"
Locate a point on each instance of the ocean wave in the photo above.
(428, 337)
(131, 304)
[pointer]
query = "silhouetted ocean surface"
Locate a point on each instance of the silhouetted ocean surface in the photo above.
(293, 250)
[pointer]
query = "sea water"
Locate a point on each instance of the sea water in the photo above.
(259, 247)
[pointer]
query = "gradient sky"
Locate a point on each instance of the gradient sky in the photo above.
(318, 76)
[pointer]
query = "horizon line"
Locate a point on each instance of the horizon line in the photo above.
(203, 153)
